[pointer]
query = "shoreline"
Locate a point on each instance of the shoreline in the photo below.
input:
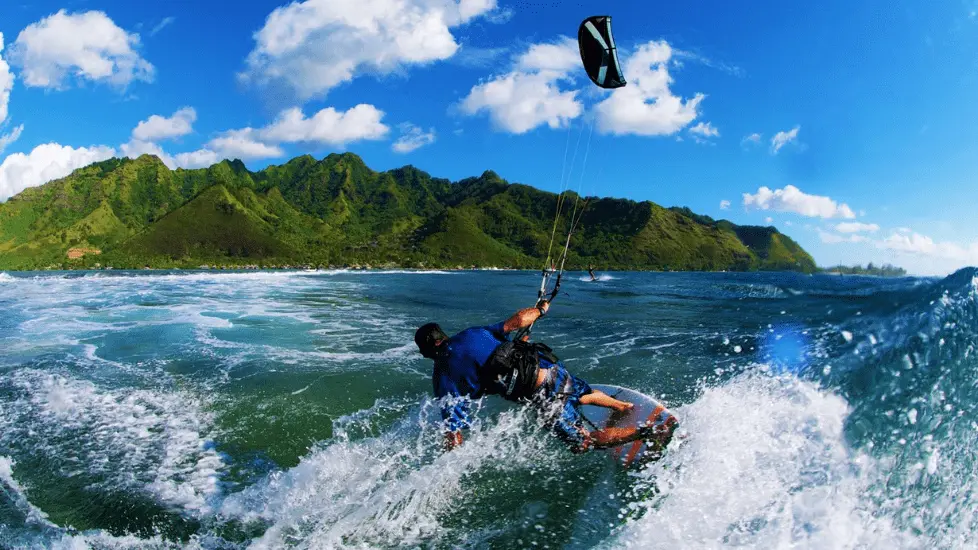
(368, 268)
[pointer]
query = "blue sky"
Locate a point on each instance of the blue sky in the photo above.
(874, 103)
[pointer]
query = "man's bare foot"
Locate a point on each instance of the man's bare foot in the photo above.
(621, 406)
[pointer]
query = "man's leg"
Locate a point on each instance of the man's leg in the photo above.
(657, 435)
(601, 399)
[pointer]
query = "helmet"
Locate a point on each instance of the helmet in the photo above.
(426, 338)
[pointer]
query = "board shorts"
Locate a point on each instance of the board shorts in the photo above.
(560, 397)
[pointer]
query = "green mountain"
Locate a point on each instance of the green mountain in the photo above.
(130, 213)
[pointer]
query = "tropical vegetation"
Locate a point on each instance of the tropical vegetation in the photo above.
(135, 213)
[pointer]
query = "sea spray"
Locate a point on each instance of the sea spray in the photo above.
(291, 409)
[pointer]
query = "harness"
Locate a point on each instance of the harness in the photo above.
(515, 365)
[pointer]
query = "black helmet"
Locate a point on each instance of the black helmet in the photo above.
(426, 337)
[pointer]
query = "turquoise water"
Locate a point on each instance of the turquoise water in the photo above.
(290, 409)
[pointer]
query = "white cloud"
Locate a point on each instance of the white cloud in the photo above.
(6, 83)
(904, 229)
(788, 223)
(705, 129)
(162, 25)
(240, 144)
(834, 238)
(769, 220)
(7, 139)
(413, 138)
(201, 158)
(936, 256)
(792, 199)
(921, 244)
(315, 45)
(529, 96)
(157, 127)
(751, 140)
(136, 148)
(45, 163)
(87, 45)
(328, 126)
(856, 227)
(783, 138)
(724, 205)
(646, 106)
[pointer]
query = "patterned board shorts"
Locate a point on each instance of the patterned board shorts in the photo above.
(560, 396)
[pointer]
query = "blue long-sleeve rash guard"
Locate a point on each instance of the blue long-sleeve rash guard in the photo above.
(456, 374)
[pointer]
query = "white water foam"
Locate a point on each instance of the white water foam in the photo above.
(387, 272)
(766, 465)
(386, 489)
(136, 439)
(603, 277)
(16, 494)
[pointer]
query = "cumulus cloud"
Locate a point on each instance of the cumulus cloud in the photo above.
(7, 139)
(86, 45)
(769, 220)
(784, 138)
(751, 140)
(148, 132)
(316, 45)
(834, 238)
(229, 145)
(922, 255)
(157, 127)
(917, 253)
(792, 199)
(923, 245)
(934, 257)
(413, 137)
(6, 83)
(724, 205)
(530, 95)
(135, 148)
(328, 126)
(856, 227)
(201, 158)
(242, 145)
(646, 106)
(705, 129)
(45, 163)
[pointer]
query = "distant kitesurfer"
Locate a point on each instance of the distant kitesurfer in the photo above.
(481, 361)
(590, 270)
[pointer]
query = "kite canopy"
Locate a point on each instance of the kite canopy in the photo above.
(598, 52)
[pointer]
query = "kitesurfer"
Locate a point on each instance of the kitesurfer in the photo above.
(481, 361)
(590, 270)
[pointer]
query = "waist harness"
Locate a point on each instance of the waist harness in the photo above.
(515, 365)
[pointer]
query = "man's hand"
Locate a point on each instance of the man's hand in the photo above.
(452, 440)
(544, 305)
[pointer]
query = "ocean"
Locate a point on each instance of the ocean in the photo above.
(273, 409)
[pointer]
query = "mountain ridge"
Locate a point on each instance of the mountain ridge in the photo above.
(130, 213)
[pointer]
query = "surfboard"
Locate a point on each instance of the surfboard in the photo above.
(647, 411)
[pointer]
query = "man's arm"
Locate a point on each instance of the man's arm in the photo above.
(456, 417)
(525, 317)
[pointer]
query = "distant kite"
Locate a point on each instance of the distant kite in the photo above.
(598, 52)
